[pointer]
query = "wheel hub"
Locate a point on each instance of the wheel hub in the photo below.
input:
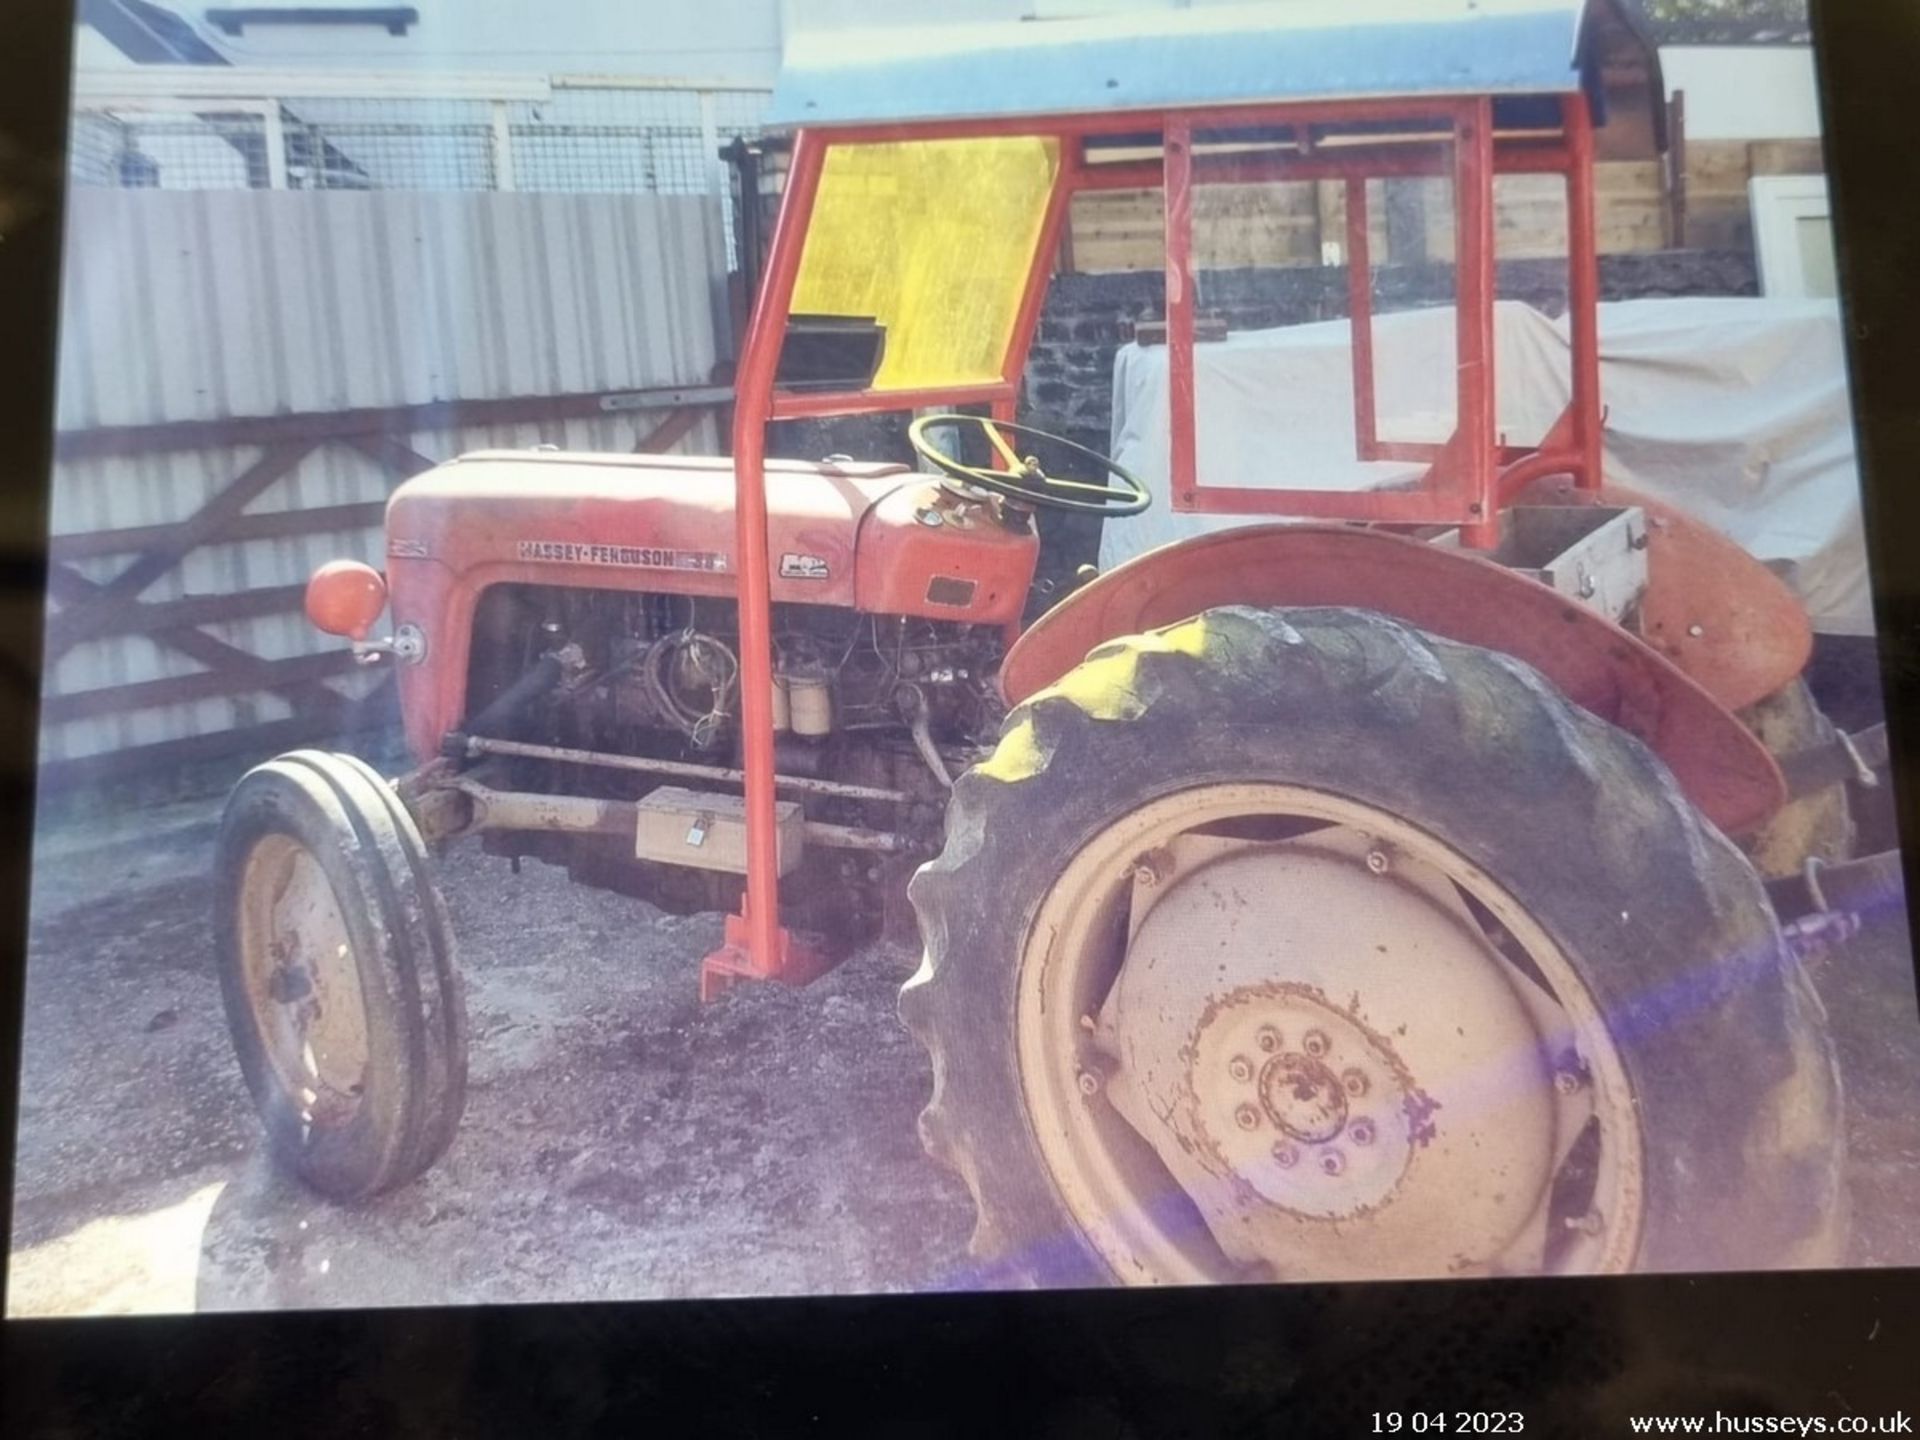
(1314, 1038)
(1301, 1102)
(1303, 1097)
(302, 980)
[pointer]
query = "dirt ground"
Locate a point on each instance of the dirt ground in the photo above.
(620, 1141)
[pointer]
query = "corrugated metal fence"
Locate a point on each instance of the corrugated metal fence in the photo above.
(244, 376)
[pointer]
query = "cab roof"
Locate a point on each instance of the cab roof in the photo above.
(1230, 54)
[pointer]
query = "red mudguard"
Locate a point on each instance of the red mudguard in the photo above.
(1598, 665)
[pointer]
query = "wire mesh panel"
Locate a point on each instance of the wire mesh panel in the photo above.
(390, 145)
(578, 139)
(94, 147)
(611, 139)
(214, 150)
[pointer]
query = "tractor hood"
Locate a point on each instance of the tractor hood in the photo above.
(648, 522)
(859, 536)
(574, 519)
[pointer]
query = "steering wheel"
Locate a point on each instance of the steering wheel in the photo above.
(1023, 479)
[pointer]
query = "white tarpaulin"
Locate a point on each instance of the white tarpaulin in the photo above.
(1733, 410)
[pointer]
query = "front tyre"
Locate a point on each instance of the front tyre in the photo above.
(1299, 945)
(337, 971)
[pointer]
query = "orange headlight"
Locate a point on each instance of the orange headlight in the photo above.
(345, 597)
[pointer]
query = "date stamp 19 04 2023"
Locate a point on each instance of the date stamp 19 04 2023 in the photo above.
(1449, 1422)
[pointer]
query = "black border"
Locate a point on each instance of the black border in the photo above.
(1575, 1357)
(36, 41)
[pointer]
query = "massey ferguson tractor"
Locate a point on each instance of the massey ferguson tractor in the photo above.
(1378, 888)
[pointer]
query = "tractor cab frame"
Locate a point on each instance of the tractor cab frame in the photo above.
(930, 184)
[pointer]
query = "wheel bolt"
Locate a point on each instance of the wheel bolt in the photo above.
(1332, 1162)
(1151, 869)
(1314, 1043)
(1268, 1039)
(1587, 1224)
(1354, 1082)
(1285, 1156)
(1247, 1118)
(1240, 1068)
(1377, 861)
(1361, 1132)
(1089, 1083)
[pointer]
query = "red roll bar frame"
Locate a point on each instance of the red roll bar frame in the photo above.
(1467, 479)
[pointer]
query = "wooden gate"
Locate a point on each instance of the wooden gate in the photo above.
(197, 481)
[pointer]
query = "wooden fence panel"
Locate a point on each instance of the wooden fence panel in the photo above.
(246, 376)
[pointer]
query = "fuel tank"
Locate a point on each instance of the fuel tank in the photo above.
(872, 537)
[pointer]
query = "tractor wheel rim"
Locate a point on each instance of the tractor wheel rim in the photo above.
(302, 981)
(1278, 1094)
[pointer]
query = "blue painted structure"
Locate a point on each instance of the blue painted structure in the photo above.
(1213, 55)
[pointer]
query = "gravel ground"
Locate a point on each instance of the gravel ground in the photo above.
(620, 1141)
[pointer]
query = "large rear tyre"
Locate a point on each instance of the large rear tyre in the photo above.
(1299, 945)
(337, 970)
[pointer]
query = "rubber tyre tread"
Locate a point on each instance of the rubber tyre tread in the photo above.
(415, 1013)
(443, 991)
(1723, 1039)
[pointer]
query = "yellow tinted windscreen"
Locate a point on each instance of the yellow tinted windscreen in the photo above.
(934, 240)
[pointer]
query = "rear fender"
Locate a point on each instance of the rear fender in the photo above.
(1710, 607)
(1455, 594)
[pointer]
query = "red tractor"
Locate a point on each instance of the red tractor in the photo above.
(1380, 893)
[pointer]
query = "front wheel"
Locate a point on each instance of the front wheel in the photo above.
(337, 970)
(1299, 945)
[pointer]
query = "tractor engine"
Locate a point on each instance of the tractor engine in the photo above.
(568, 656)
(868, 702)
